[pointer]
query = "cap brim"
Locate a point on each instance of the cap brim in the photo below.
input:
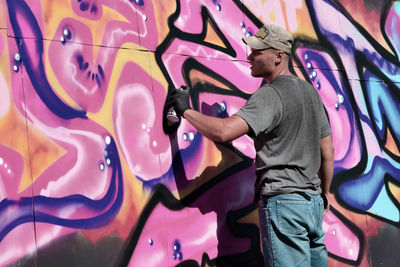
(255, 42)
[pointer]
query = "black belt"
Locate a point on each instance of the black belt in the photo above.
(303, 194)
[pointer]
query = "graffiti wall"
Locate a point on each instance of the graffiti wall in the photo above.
(92, 174)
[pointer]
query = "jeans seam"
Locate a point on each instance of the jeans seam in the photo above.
(320, 214)
(270, 238)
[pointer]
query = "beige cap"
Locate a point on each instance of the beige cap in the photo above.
(270, 36)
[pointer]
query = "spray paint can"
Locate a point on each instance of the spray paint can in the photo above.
(171, 114)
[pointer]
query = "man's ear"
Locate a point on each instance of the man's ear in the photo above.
(279, 57)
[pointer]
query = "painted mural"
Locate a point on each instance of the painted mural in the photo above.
(92, 174)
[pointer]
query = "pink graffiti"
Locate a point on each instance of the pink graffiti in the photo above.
(137, 109)
(392, 27)
(199, 228)
(82, 170)
(5, 102)
(344, 132)
(340, 240)
(11, 167)
(196, 234)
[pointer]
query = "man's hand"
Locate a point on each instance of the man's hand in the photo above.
(325, 172)
(179, 99)
(326, 203)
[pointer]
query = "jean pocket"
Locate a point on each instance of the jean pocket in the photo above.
(293, 216)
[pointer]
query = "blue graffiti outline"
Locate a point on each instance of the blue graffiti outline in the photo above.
(112, 199)
(38, 77)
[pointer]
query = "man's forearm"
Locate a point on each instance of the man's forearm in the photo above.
(208, 126)
(217, 129)
(327, 163)
(326, 174)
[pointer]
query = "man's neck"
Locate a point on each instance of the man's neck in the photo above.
(273, 76)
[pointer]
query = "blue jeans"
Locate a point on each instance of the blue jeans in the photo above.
(291, 230)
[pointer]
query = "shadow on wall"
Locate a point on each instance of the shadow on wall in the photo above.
(225, 190)
(220, 189)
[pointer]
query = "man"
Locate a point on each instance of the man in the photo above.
(292, 137)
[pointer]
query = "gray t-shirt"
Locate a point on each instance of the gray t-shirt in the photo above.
(287, 119)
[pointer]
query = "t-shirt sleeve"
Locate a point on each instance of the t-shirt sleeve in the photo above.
(263, 111)
(325, 125)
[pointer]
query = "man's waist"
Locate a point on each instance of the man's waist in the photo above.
(265, 188)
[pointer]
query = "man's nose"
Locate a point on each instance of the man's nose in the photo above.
(249, 57)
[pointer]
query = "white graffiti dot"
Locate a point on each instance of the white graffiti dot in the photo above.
(191, 136)
(223, 106)
(144, 126)
(154, 143)
(102, 166)
(17, 57)
(108, 161)
(340, 98)
(108, 140)
(62, 39)
(1, 161)
(144, 17)
(9, 171)
(314, 74)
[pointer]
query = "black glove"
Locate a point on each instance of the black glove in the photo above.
(179, 99)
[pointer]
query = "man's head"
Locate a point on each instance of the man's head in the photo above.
(270, 51)
(270, 36)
